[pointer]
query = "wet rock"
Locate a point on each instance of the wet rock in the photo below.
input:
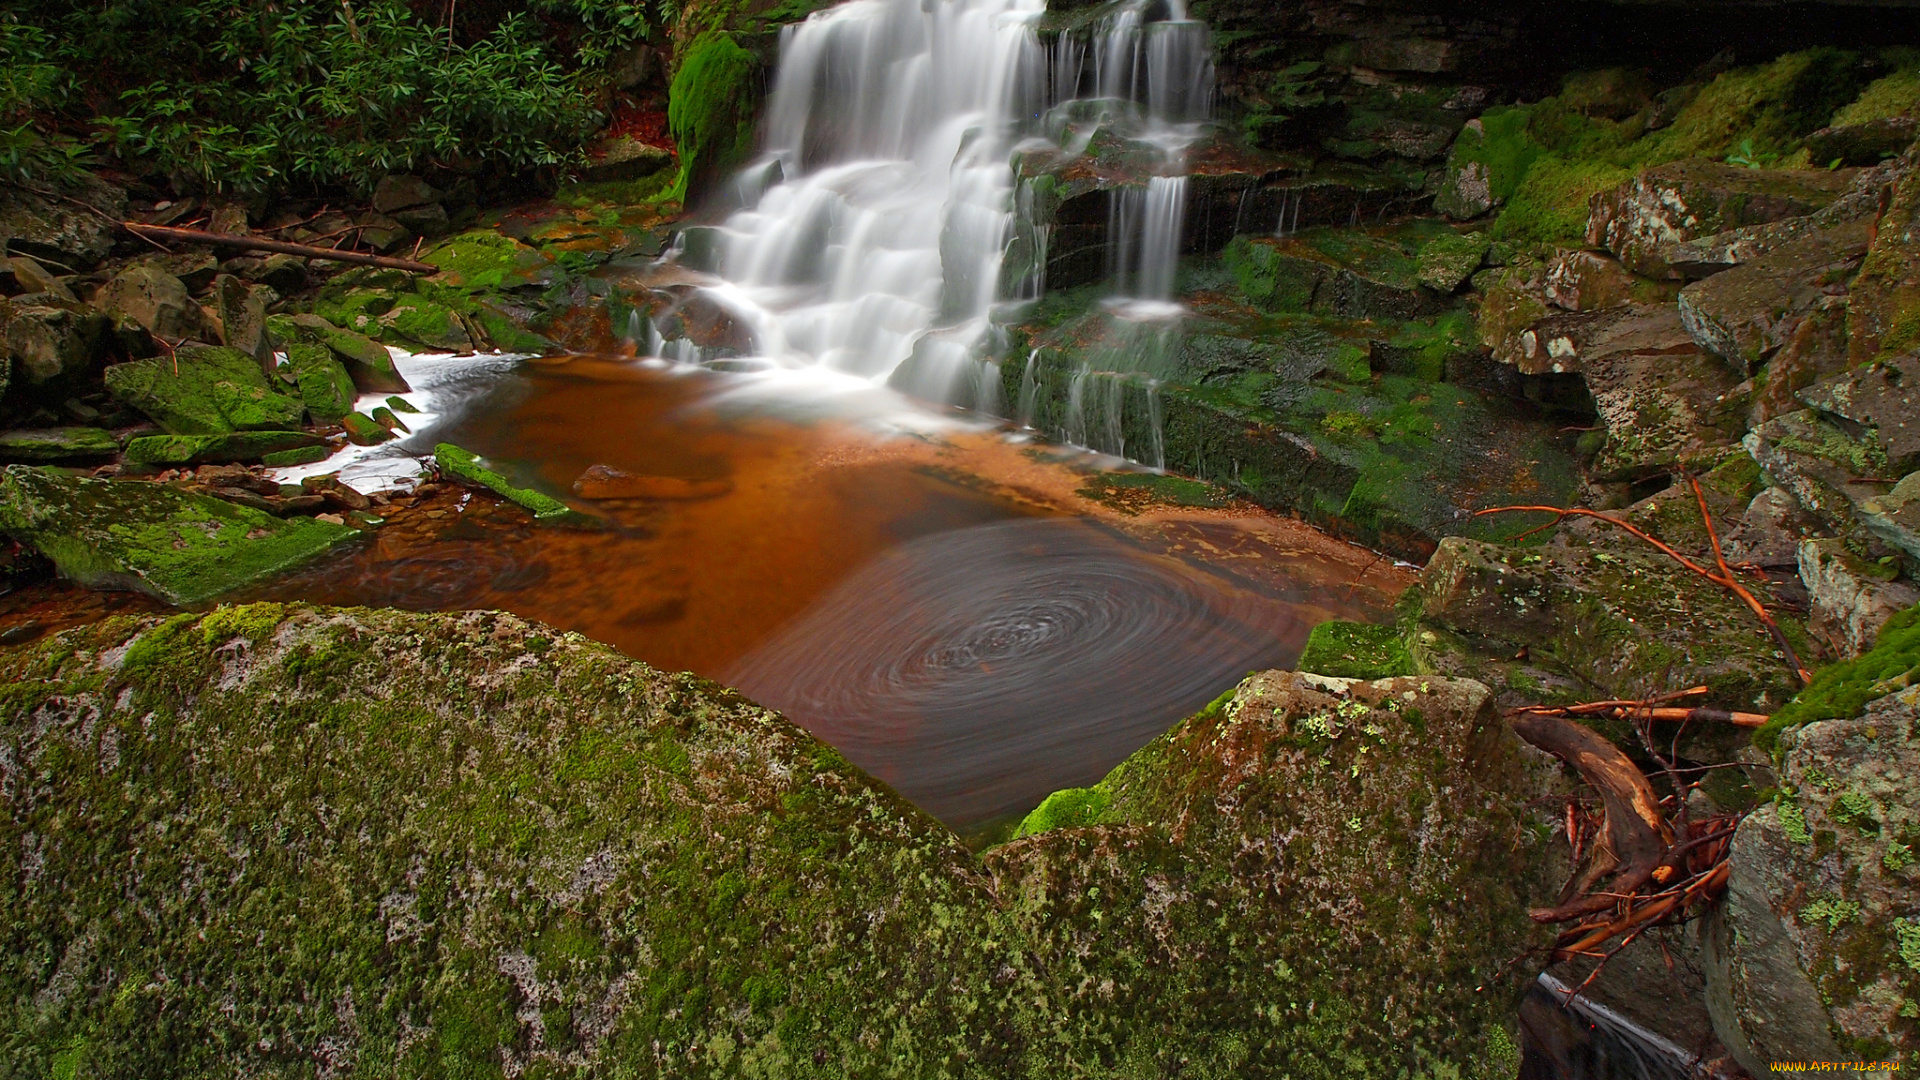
(325, 387)
(162, 450)
(204, 390)
(1770, 532)
(364, 430)
(286, 459)
(153, 299)
(467, 467)
(1748, 313)
(367, 361)
(1866, 143)
(57, 444)
(77, 231)
(386, 419)
(1346, 272)
(173, 545)
(1621, 622)
(607, 482)
(50, 340)
(1173, 917)
(400, 192)
(1643, 219)
(335, 492)
(1851, 599)
(1815, 952)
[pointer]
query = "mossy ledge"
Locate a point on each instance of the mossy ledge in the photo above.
(293, 841)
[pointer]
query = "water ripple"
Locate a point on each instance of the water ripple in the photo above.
(979, 669)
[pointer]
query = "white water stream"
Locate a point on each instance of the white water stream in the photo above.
(869, 250)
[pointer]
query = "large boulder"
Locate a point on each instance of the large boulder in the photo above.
(172, 545)
(204, 390)
(242, 309)
(154, 299)
(368, 362)
(1642, 220)
(1750, 312)
(1814, 955)
(467, 845)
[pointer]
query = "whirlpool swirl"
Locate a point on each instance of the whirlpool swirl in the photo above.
(979, 669)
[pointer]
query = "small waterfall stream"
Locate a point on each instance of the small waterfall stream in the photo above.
(875, 222)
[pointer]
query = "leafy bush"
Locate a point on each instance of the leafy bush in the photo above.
(256, 95)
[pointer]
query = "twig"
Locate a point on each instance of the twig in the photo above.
(1727, 579)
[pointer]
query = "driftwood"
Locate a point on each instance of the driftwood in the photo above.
(1636, 835)
(255, 243)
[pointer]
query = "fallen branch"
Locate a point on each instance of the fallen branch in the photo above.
(254, 243)
(1628, 711)
(1636, 831)
(1725, 578)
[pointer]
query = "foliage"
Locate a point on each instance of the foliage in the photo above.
(248, 96)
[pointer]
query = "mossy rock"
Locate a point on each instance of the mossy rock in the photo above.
(57, 444)
(204, 390)
(176, 546)
(325, 386)
(367, 361)
(1353, 273)
(484, 260)
(466, 466)
(467, 845)
(1350, 650)
(426, 324)
(711, 107)
(196, 449)
(1841, 691)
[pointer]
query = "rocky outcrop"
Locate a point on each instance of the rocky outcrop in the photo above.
(1642, 221)
(1750, 312)
(464, 842)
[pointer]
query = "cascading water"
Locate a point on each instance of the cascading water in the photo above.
(877, 218)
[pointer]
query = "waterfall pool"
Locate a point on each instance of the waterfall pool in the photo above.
(975, 617)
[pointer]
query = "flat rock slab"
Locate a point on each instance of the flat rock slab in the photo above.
(1751, 311)
(1884, 396)
(1644, 219)
(490, 837)
(57, 444)
(199, 449)
(173, 545)
(204, 390)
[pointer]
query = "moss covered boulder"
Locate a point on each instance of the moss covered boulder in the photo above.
(196, 449)
(1815, 952)
(57, 444)
(173, 545)
(1373, 273)
(204, 390)
(465, 845)
(367, 361)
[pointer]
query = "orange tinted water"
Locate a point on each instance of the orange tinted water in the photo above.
(947, 609)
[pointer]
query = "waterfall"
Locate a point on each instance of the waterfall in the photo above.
(876, 219)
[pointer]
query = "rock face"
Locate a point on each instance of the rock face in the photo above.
(464, 845)
(1815, 954)
(1643, 219)
(173, 545)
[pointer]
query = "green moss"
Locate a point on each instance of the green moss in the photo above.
(1130, 492)
(1772, 106)
(464, 465)
(1842, 690)
(485, 260)
(1350, 650)
(1890, 96)
(204, 390)
(239, 446)
(710, 108)
(1069, 808)
(1502, 145)
(1550, 204)
(325, 387)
